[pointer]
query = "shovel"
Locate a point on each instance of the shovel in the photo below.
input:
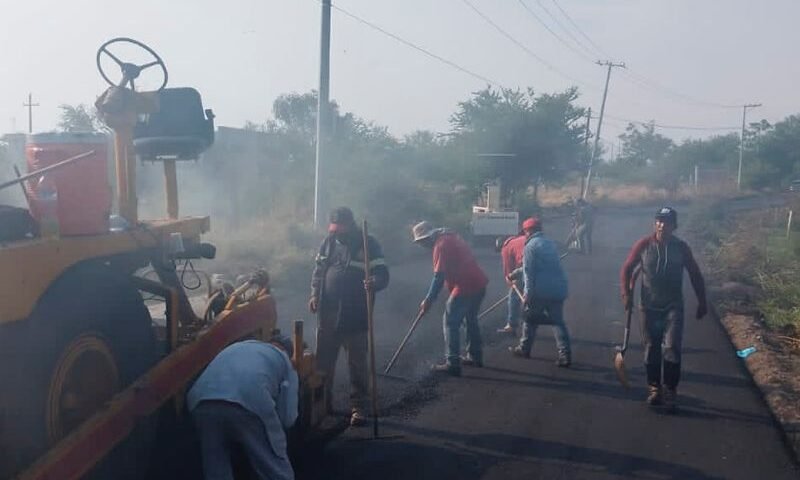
(619, 358)
(414, 324)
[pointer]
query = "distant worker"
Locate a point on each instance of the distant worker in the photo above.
(582, 226)
(455, 267)
(339, 298)
(546, 289)
(511, 252)
(246, 397)
(662, 257)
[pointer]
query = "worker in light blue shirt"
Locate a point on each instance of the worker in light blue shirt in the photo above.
(247, 397)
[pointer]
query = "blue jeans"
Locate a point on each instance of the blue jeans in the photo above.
(555, 310)
(514, 306)
(463, 309)
(223, 428)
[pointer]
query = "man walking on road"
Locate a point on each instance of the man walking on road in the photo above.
(455, 267)
(246, 397)
(546, 289)
(339, 298)
(583, 224)
(662, 257)
(511, 253)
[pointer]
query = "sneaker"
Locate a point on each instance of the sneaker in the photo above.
(446, 368)
(517, 352)
(507, 329)
(670, 397)
(468, 361)
(357, 418)
(564, 362)
(654, 395)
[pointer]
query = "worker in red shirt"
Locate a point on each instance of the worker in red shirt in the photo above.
(455, 267)
(662, 257)
(511, 252)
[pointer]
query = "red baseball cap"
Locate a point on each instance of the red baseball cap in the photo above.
(532, 223)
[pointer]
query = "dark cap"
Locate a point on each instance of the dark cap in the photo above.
(282, 341)
(341, 217)
(667, 214)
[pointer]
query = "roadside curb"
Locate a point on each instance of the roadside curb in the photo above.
(771, 390)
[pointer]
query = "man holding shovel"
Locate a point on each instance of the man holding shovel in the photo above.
(662, 257)
(546, 289)
(455, 267)
(339, 298)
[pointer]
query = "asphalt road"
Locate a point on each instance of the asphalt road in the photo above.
(518, 418)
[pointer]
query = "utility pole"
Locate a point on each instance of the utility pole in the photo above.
(586, 148)
(610, 65)
(30, 106)
(741, 143)
(323, 105)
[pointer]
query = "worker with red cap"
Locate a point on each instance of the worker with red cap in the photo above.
(455, 267)
(511, 252)
(546, 289)
(339, 298)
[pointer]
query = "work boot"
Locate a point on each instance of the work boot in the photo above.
(518, 352)
(670, 397)
(507, 329)
(357, 418)
(468, 361)
(564, 361)
(446, 368)
(654, 395)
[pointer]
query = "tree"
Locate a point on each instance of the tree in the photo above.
(79, 119)
(643, 147)
(542, 132)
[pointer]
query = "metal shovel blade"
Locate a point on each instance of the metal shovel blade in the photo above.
(619, 366)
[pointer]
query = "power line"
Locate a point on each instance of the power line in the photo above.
(552, 32)
(579, 30)
(417, 47)
(566, 30)
(523, 46)
(671, 127)
(645, 82)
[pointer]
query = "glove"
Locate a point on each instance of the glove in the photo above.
(702, 309)
(313, 304)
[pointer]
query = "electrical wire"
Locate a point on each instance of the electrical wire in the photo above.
(527, 50)
(415, 46)
(580, 31)
(565, 29)
(553, 33)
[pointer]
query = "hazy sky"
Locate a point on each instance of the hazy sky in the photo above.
(241, 54)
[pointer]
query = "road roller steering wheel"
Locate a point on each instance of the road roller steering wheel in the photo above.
(130, 71)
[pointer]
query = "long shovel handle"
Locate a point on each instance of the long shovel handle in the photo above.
(494, 305)
(405, 340)
(371, 326)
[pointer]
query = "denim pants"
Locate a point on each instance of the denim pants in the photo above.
(514, 306)
(223, 428)
(662, 335)
(463, 309)
(555, 310)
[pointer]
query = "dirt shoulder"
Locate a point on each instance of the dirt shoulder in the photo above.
(743, 262)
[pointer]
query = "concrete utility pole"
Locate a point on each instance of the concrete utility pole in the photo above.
(30, 106)
(741, 143)
(586, 147)
(610, 65)
(323, 105)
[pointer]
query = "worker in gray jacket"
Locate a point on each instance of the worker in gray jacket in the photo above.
(247, 397)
